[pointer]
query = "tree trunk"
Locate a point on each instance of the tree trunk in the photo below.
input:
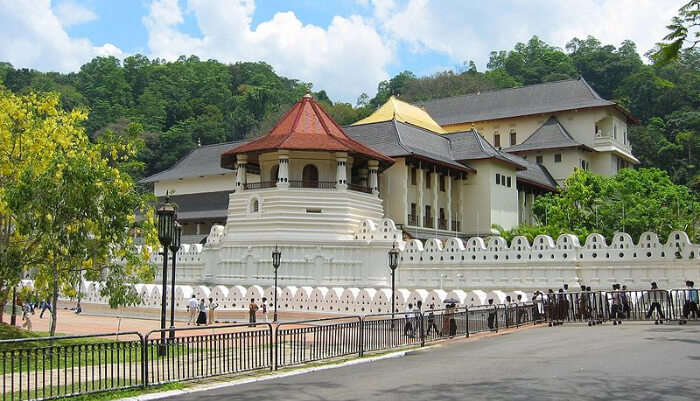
(2, 311)
(54, 304)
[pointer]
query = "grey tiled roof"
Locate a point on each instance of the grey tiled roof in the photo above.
(534, 174)
(395, 138)
(470, 145)
(534, 99)
(550, 135)
(202, 161)
(201, 205)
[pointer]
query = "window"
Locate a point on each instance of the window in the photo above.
(614, 131)
(274, 173)
(508, 179)
(557, 158)
(413, 209)
(254, 206)
(585, 165)
(513, 138)
(413, 176)
(538, 159)
(598, 133)
(497, 140)
(442, 183)
(427, 179)
(624, 140)
(427, 211)
(498, 179)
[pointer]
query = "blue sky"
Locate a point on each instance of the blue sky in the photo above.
(343, 46)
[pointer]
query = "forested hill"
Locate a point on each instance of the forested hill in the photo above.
(176, 104)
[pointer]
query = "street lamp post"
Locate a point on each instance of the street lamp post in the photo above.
(166, 228)
(276, 257)
(174, 248)
(393, 264)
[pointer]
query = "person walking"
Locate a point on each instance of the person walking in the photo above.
(408, 326)
(264, 309)
(45, 305)
(690, 306)
(538, 298)
(202, 317)
(655, 297)
(212, 311)
(626, 309)
(492, 315)
(252, 310)
(418, 323)
(615, 299)
(451, 322)
(26, 316)
(193, 309)
(431, 322)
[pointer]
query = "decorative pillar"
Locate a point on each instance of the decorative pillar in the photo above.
(435, 182)
(374, 176)
(448, 190)
(341, 172)
(283, 170)
(241, 174)
(420, 186)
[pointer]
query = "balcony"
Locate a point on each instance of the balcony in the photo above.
(260, 185)
(311, 184)
(456, 226)
(428, 222)
(412, 220)
(442, 224)
(359, 188)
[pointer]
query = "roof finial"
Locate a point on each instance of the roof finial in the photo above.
(308, 91)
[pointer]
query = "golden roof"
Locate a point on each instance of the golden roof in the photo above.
(404, 112)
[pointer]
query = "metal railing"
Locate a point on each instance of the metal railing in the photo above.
(428, 221)
(260, 185)
(412, 220)
(199, 352)
(46, 368)
(313, 340)
(442, 224)
(312, 184)
(456, 225)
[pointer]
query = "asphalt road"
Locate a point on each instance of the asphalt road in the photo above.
(635, 361)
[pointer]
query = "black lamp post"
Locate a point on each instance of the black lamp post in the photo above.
(166, 231)
(276, 257)
(174, 247)
(393, 264)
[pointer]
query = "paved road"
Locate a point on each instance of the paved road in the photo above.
(636, 361)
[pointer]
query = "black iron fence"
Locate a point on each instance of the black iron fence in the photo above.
(54, 367)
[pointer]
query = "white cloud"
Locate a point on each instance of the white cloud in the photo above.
(31, 35)
(470, 30)
(345, 58)
(70, 13)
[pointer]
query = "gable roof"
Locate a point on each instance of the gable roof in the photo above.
(470, 145)
(395, 109)
(306, 126)
(541, 98)
(534, 174)
(201, 161)
(550, 135)
(395, 138)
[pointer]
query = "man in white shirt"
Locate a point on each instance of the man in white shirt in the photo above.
(193, 308)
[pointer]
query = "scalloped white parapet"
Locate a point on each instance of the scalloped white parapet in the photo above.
(566, 248)
(382, 230)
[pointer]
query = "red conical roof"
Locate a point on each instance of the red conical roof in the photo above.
(306, 126)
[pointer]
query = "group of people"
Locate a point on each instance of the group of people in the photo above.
(28, 309)
(412, 317)
(201, 312)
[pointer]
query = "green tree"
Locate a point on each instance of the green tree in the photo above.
(76, 205)
(685, 32)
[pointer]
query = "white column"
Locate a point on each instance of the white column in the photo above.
(241, 175)
(404, 190)
(283, 170)
(420, 186)
(448, 189)
(435, 182)
(522, 215)
(531, 204)
(460, 189)
(374, 176)
(341, 172)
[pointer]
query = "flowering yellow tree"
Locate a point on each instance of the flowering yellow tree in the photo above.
(68, 210)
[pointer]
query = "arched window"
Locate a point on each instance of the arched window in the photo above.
(274, 173)
(254, 205)
(310, 176)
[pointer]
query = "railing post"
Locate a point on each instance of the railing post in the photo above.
(362, 336)
(144, 360)
(496, 318)
(277, 344)
(466, 312)
(422, 332)
(273, 345)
